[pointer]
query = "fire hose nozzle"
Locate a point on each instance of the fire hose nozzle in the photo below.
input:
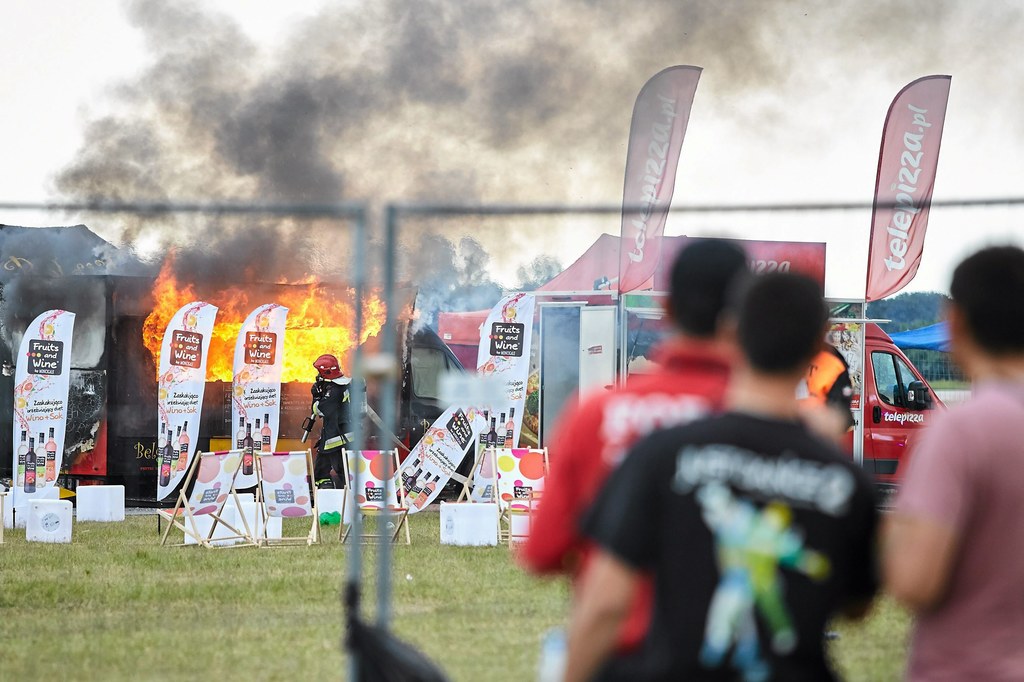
(307, 426)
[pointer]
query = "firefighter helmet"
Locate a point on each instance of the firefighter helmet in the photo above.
(327, 366)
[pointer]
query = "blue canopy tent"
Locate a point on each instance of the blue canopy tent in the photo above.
(932, 337)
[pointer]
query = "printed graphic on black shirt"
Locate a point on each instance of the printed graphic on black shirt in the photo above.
(752, 547)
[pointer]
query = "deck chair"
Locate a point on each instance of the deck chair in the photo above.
(521, 473)
(212, 478)
(482, 483)
(286, 490)
(368, 499)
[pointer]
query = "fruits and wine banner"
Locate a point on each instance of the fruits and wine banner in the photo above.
(256, 387)
(433, 460)
(183, 355)
(41, 381)
(504, 354)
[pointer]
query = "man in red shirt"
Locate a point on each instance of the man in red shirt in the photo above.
(593, 436)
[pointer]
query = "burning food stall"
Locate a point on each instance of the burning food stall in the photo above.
(122, 308)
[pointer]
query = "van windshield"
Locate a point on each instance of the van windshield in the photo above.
(892, 376)
(886, 381)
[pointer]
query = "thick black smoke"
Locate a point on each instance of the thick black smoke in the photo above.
(42, 269)
(462, 102)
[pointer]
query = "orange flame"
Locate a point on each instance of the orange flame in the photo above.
(321, 319)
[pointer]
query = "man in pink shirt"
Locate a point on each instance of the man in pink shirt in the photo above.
(954, 547)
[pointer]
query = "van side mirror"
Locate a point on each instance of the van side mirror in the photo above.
(918, 396)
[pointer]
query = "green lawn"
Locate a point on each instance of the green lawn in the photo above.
(114, 605)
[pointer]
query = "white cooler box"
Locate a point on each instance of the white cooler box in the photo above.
(469, 524)
(100, 503)
(48, 521)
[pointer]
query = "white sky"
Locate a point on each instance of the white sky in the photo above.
(59, 60)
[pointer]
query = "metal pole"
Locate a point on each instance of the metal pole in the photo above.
(388, 395)
(352, 585)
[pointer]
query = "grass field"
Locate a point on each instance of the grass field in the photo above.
(114, 605)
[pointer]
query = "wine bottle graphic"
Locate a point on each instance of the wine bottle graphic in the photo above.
(30, 466)
(412, 482)
(174, 450)
(170, 451)
(164, 456)
(405, 472)
(483, 432)
(51, 458)
(40, 459)
(183, 443)
(166, 451)
(265, 433)
(240, 434)
(416, 490)
(22, 450)
(492, 435)
(510, 429)
(427, 491)
(501, 431)
(247, 446)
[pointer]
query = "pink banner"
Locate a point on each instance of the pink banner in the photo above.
(907, 162)
(807, 258)
(660, 116)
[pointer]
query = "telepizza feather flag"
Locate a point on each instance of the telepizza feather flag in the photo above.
(907, 161)
(660, 116)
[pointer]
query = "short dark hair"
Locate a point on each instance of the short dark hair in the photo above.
(988, 287)
(782, 319)
(701, 278)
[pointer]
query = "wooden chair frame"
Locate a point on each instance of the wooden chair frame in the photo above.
(528, 512)
(188, 523)
(478, 461)
(401, 512)
(312, 536)
(506, 510)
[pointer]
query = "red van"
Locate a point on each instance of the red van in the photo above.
(898, 404)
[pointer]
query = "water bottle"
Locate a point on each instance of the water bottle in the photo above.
(553, 651)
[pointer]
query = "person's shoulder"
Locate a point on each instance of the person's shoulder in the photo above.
(670, 439)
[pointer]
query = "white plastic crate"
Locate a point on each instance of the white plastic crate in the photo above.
(469, 524)
(100, 503)
(48, 521)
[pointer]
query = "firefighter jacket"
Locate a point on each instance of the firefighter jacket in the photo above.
(332, 400)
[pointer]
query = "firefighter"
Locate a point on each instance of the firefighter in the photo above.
(332, 401)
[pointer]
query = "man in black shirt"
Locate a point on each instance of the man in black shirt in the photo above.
(757, 530)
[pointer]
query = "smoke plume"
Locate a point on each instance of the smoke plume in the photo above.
(462, 102)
